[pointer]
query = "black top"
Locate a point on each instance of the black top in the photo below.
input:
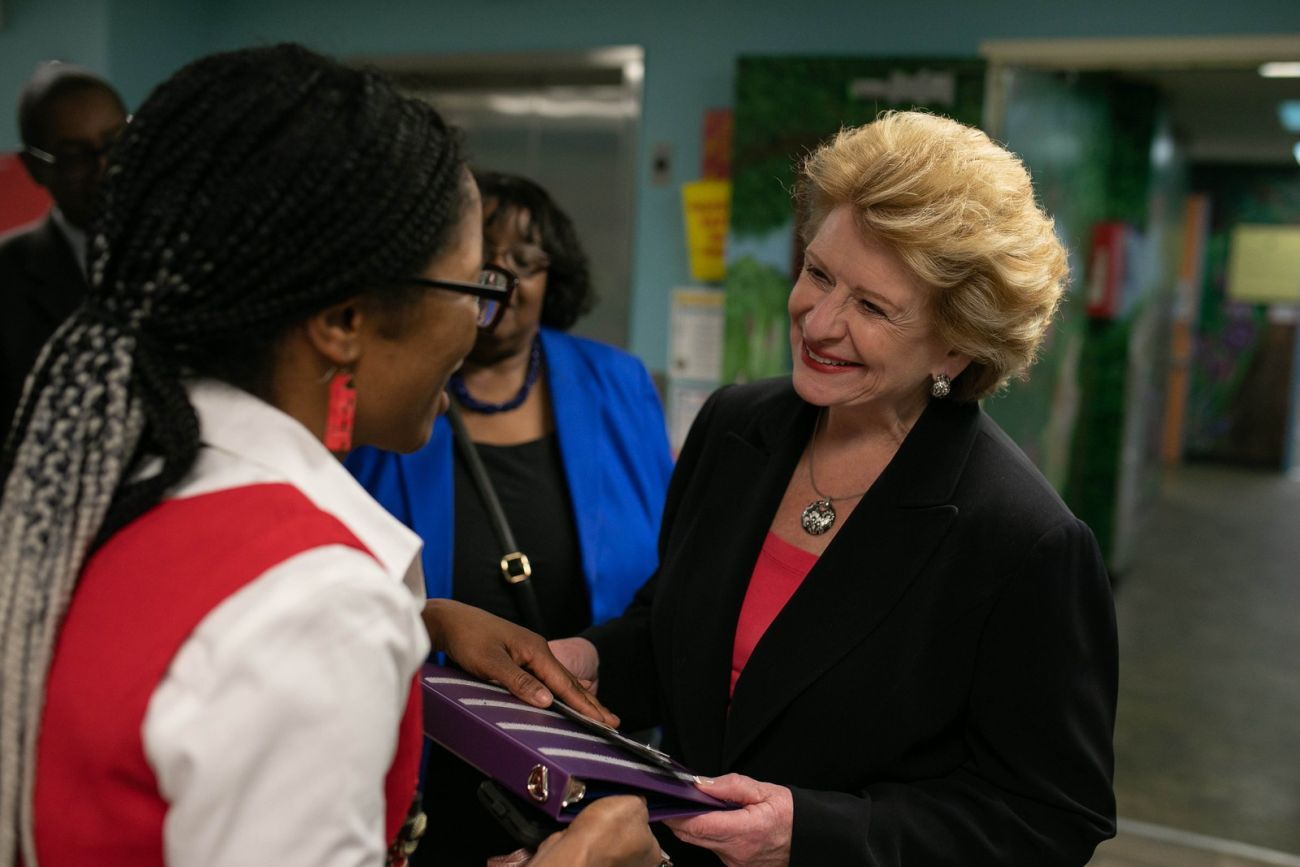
(529, 481)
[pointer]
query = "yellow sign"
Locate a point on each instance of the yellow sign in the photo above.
(1264, 264)
(706, 206)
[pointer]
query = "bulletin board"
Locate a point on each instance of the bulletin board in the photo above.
(1264, 264)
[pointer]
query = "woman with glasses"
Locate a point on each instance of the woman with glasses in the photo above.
(210, 630)
(572, 439)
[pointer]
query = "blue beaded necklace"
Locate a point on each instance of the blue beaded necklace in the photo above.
(456, 385)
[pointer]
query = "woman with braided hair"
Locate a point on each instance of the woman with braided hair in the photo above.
(208, 631)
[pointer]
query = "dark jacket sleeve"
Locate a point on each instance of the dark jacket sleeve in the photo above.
(628, 682)
(1035, 787)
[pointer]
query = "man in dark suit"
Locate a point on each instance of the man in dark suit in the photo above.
(67, 118)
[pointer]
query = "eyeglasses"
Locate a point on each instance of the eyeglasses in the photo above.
(493, 290)
(77, 159)
(525, 260)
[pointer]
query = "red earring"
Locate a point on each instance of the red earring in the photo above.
(341, 413)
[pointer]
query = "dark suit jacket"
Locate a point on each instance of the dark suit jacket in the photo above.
(40, 285)
(941, 688)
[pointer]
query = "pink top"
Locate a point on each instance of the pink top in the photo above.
(780, 570)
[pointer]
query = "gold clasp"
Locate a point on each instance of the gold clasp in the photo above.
(515, 567)
(539, 783)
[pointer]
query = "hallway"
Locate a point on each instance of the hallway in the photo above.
(1208, 732)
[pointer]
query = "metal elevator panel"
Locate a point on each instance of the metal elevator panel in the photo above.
(568, 121)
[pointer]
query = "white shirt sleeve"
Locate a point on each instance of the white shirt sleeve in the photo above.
(274, 729)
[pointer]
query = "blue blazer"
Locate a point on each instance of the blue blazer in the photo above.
(614, 448)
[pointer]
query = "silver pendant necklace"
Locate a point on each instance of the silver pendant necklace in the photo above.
(819, 515)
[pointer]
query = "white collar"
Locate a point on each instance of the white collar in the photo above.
(76, 237)
(267, 444)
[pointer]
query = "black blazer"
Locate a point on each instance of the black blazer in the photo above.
(941, 688)
(40, 285)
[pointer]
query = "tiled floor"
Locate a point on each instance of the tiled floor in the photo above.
(1141, 845)
(1208, 734)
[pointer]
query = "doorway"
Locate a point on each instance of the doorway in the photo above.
(1206, 742)
(1232, 390)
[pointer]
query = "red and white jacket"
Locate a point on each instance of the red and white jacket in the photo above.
(235, 667)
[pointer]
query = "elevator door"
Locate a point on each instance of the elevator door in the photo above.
(569, 122)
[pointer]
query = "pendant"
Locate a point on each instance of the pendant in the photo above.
(818, 517)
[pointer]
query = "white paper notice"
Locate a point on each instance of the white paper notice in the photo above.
(696, 350)
(694, 356)
(684, 403)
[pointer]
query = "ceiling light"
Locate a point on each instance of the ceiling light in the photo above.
(1295, 151)
(1288, 112)
(1288, 69)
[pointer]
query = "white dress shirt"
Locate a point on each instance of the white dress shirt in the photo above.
(275, 726)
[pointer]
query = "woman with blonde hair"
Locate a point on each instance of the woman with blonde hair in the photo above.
(872, 613)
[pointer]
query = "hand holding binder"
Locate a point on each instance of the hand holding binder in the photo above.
(613, 831)
(554, 758)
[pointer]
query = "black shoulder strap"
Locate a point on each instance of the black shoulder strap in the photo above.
(515, 568)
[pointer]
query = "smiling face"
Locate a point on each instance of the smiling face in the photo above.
(861, 331)
(408, 356)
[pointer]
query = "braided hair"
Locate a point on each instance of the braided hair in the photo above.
(569, 295)
(252, 189)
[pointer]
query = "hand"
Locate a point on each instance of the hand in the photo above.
(612, 832)
(579, 656)
(498, 650)
(757, 835)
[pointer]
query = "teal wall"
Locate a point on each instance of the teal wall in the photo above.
(36, 30)
(148, 41)
(691, 48)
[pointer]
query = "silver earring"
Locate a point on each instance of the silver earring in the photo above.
(942, 385)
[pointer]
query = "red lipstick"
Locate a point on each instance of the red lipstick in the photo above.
(821, 367)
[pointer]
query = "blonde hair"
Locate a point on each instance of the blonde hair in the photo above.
(960, 212)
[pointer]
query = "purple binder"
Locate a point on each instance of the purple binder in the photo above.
(556, 763)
